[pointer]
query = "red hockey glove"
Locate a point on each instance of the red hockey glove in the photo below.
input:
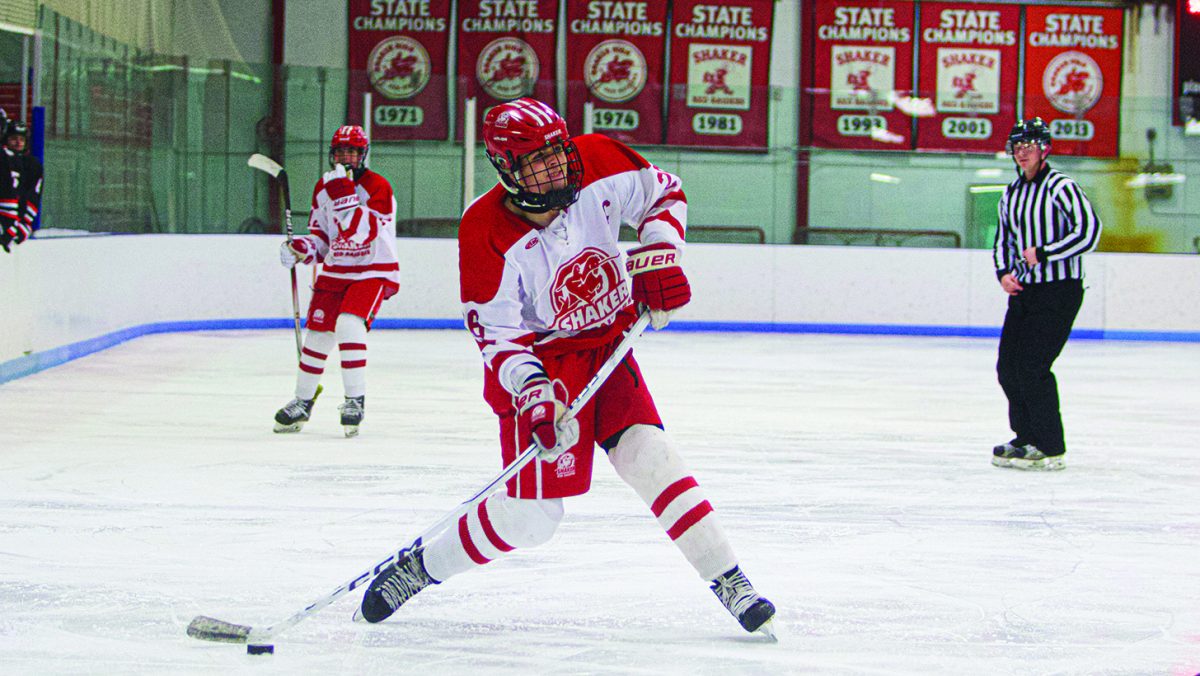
(340, 188)
(299, 251)
(540, 408)
(658, 281)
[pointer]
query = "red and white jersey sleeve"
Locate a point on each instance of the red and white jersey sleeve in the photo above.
(526, 290)
(359, 243)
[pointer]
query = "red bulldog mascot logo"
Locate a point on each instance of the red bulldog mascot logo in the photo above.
(588, 290)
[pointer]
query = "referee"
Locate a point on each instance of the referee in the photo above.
(1046, 225)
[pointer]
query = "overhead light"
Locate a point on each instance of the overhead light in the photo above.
(1002, 155)
(1143, 180)
(884, 178)
(989, 173)
(1192, 127)
(980, 189)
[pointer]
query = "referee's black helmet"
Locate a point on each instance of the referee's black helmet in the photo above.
(1028, 131)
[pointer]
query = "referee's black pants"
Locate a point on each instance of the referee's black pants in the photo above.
(1036, 328)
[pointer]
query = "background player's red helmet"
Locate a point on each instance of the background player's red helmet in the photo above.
(351, 136)
(517, 128)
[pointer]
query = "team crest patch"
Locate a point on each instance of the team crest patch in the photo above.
(615, 71)
(565, 465)
(319, 316)
(588, 290)
(1073, 82)
(507, 68)
(399, 67)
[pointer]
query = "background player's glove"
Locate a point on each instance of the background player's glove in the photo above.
(300, 250)
(340, 188)
(540, 409)
(658, 281)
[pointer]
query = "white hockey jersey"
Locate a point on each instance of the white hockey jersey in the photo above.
(355, 244)
(528, 291)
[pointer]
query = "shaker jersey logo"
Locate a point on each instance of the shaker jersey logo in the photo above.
(565, 466)
(615, 71)
(1073, 82)
(399, 67)
(588, 291)
(507, 68)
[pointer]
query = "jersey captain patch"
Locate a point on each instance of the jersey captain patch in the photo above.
(588, 290)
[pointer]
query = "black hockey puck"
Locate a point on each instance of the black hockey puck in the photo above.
(260, 650)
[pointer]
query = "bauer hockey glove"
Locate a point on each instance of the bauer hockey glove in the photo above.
(299, 250)
(340, 188)
(658, 281)
(540, 408)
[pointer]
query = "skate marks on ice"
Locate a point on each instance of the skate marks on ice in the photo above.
(142, 486)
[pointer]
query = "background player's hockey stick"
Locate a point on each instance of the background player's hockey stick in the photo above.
(211, 629)
(270, 166)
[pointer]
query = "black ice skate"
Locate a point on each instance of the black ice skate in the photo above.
(291, 418)
(1027, 457)
(352, 414)
(395, 586)
(752, 611)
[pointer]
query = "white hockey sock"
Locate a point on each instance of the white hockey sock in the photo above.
(352, 347)
(493, 528)
(645, 458)
(317, 345)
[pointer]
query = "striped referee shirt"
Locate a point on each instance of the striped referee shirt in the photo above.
(1050, 213)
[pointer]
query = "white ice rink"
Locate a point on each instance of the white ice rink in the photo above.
(142, 485)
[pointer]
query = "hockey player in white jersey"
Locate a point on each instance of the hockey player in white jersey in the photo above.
(547, 294)
(352, 236)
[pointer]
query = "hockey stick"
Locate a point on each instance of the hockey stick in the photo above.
(270, 166)
(211, 629)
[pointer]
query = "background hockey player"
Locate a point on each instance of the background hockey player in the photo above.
(352, 233)
(1046, 224)
(547, 297)
(20, 185)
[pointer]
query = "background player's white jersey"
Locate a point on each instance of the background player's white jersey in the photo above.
(357, 243)
(563, 287)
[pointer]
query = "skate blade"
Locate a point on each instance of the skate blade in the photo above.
(288, 429)
(768, 630)
(358, 616)
(351, 430)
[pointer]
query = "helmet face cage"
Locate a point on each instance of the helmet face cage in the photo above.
(516, 132)
(534, 192)
(351, 136)
(1028, 131)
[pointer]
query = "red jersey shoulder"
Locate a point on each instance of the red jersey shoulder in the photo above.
(380, 191)
(485, 233)
(603, 157)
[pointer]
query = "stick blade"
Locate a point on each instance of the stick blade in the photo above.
(264, 163)
(211, 629)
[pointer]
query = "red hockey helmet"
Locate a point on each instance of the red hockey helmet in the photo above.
(515, 129)
(351, 136)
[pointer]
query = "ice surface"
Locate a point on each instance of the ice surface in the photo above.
(142, 486)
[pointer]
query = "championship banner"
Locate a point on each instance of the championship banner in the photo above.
(505, 51)
(399, 52)
(862, 74)
(615, 61)
(719, 58)
(1187, 62)
(968, 68)
(1073, 76)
